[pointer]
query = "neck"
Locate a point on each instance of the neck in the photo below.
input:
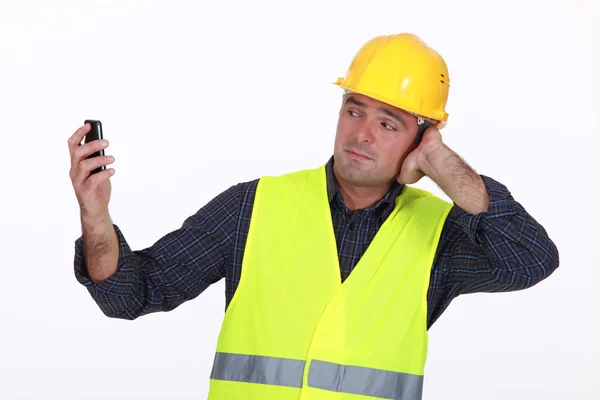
(358, 197)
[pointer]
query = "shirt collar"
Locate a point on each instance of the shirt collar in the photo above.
(385, 204)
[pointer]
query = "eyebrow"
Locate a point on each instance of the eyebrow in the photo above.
(397, 117)
(352, 100)
(389, 113)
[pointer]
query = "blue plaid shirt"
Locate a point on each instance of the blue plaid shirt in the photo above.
(501, 250)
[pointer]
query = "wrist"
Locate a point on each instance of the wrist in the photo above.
(433, 158)
(94, 223)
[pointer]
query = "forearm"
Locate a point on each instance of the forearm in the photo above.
(158, 278)
(101, 248)
(459, 181)
(177, 268)
(124, 294)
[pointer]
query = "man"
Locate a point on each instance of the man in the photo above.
(333, 274)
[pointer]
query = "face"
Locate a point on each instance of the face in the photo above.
(372, 140)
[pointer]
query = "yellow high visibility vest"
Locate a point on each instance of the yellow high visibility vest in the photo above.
(294, 331)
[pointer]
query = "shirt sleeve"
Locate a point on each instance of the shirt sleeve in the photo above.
(177, 268)
(501, 250)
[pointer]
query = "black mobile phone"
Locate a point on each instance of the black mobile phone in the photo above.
(95, 134)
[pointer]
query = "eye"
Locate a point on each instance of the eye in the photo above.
(388, 126)
(353, 113)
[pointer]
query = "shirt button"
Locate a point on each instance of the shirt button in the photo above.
(351, 226)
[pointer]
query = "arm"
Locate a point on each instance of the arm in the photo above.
(177, 268)
(511, 248)
(100, 248)
(463, 185)
(489, 243)
(503, 249)
(448, 170)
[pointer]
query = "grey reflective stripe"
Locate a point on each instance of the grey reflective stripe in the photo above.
(321, 375)
(258, 369)
(365, 381)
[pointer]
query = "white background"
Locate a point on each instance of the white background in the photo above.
(195, 98)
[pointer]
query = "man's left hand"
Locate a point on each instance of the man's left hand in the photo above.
(412, 167)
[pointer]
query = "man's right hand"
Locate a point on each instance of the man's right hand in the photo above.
(92, 191)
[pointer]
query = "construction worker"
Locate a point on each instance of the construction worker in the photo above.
(334, 274)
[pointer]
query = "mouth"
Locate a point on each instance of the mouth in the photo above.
(358, 155)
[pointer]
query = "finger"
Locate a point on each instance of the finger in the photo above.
(82, 170)
(95, 180)
(432, 133)
(87, 166)
(77, 137)
(84, 151)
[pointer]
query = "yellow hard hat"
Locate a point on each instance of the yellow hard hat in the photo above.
(401, 70)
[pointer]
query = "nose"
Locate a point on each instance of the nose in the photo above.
(365, 132)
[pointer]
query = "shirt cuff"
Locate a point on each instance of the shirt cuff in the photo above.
(501, 205)
(121, 282)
